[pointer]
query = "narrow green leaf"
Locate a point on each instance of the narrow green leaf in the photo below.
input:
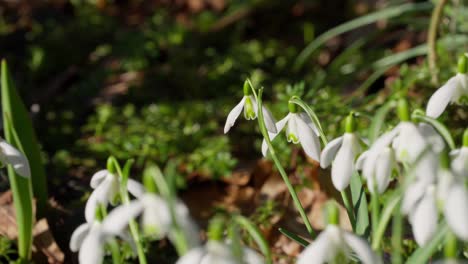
(423, 254)
(358, 196)
(255, 233)
(13, 106)
(294, 237)
(386, 13)
(443, 131)
(379, 120)
(385, 219)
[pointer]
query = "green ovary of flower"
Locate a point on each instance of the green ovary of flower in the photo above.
(249, 111)
(293, 138)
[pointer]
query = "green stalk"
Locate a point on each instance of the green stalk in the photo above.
(154, 174)
(133, 225)
(280, 168)
(397, 236)
(387, 213)
(431, 39)
(375, 211)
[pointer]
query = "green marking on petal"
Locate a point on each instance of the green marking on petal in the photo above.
(293, 138)
(249, 112)
(151, 230)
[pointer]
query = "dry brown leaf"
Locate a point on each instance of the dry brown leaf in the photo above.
(45, 249)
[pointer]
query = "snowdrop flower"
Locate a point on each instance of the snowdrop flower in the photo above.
(377, 167)
(341, 153)
(420, 204)
(249, 104)
(455, 90)
(460, 158)
(299, 129)
(216, 252)
(106, 187)
(90, 238)
(11, 156)
(405, 143)
(334, 244)
(456, 211)
(157, 219)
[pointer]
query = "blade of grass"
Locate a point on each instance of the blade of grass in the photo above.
(294, 237)
(386, 13)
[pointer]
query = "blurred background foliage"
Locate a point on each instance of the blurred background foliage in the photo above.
(154, 80)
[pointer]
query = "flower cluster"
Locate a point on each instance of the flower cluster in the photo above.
(414, 162)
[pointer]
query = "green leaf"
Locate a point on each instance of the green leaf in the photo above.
(294, 237)
(423, 254)
(443, 131)
(386, 13)
(379, 120)
(21, 187)
(255, 233)
(358, 196)
(14, 109)
(385, 219)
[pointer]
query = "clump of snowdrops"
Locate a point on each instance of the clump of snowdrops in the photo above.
(429, 190)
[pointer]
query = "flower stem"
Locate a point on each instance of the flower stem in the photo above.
(132, 224)
(431, 39)
(375, 211)
(397, 236)
(280, 168)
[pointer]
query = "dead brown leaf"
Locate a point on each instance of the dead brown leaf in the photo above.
(45, 249)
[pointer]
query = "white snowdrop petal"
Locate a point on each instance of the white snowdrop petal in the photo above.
(441, 98)
(386, 139)
(98, 196)
(304, 116)
(413, 193)
(361, 248)
(135, 188)
(15, 158)
(194, 256)
(384, 166)
(252, 257)
(78, 236)
(308, 139)
(279, 126)
(233, 115)
(91, 250)
(97, 178)
(426, 167)
(411, 143)
(456, 211)
(318, 252)
(460, 163)
(329, 152)
(269, 120)
(343, 165)
(361, 159)
(436, 142)
(424, 219)
(118, 219)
